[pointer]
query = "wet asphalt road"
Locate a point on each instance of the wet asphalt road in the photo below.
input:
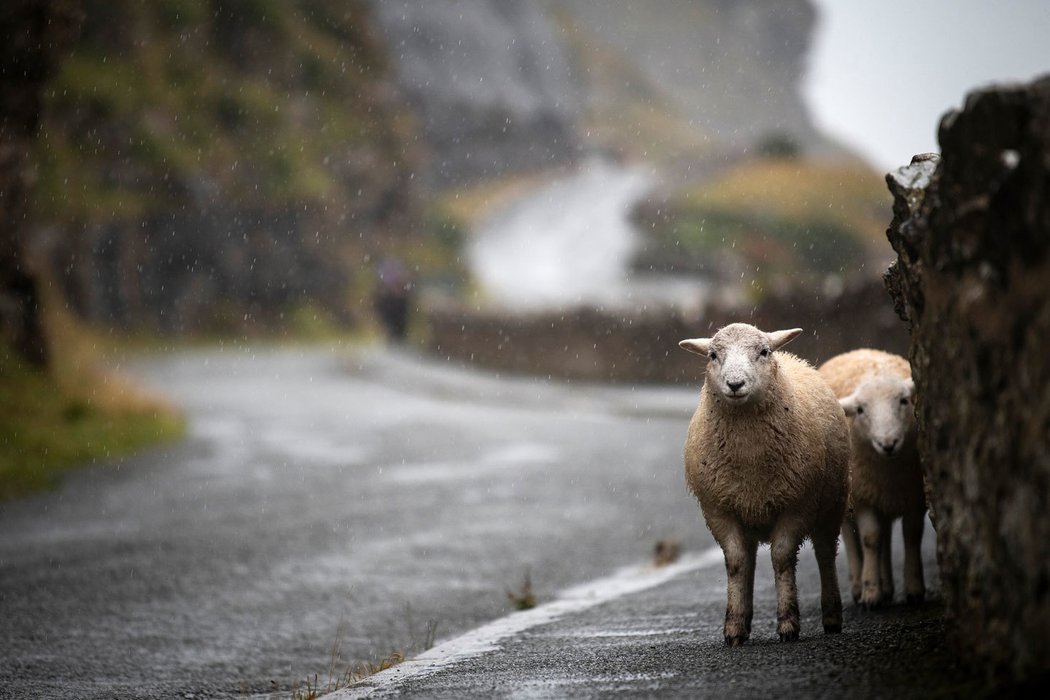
(666, 642)
(327, 508)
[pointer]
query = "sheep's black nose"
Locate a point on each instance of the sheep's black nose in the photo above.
(889, 447)
(734, 386)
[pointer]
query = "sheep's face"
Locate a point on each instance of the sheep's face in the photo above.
(740, 360)
(882, 412)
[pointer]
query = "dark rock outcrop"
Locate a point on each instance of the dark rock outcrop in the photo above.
(34, 35)
(222, 169)
(972, 234)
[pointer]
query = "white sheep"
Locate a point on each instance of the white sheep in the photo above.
(875, 390)
(767, 457)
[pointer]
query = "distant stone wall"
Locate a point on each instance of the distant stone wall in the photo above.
(972, 233)
(590, 345)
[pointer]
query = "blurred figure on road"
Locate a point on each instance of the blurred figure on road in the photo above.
(392, 297)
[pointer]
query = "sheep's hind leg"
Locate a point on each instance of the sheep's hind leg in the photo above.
(851, 540)
(784, 553)
(825, 546)
(740, 570)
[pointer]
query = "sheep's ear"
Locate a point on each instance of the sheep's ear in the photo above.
(778, 339)
(849, 405)
(909, 386)
(700, 346)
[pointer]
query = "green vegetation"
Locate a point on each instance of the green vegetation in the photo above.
(816, 245)
(780, 216)
(75, 414)
(233, 159)
(254, 97)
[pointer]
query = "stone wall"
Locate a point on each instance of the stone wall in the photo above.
(591, 345)
(972, 233)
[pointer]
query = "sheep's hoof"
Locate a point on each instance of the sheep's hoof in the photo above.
(915, 598)
(790, 636)
(736, 640)
(833, 629)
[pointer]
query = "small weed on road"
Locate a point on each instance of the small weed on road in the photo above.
(523, 598)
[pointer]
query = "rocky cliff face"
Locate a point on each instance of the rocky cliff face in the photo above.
(972, 234)
(731, 68)
(510, 86)
(490, 81)
(220, 163)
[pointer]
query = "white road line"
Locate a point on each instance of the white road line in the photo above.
(488, 637)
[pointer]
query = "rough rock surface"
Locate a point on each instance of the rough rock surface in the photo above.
(491, 82)
(508, 87)
(33, 39)
(217, 170)
(972, 234)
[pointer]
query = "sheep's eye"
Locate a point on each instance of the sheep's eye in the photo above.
(713, 355)
(904, 402)
(860, 410)
(764, 353)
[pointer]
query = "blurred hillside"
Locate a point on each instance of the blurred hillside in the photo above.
(500, 87)
(776, 222)
(224, 165)
(216, 164)
(687, 83)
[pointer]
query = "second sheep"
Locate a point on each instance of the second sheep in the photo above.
(875, 390)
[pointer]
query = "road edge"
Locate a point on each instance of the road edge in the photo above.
(486, 638)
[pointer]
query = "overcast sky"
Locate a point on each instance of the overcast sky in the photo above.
(882, 73)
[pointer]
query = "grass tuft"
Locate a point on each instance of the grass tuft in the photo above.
(312, 689)
(524, 598)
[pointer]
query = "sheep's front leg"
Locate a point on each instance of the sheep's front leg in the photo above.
(914, 584)
(851, 539)
(784, 553)
(824, 547)
(885, 559)
(871, 546)
(739, 554)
